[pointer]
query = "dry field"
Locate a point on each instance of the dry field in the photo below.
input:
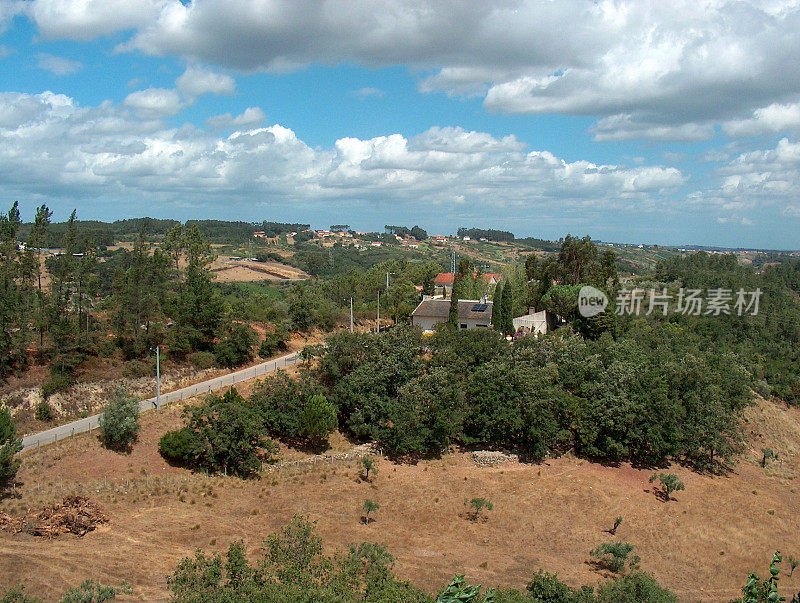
(701, 545)
(226, 270)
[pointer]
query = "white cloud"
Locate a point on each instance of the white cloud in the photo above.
(365, 92)
(8, 10)
(58, 65)
(49, 145)
(88, 19)
(758, 179)
(766, 120)
(629, 127)
(252, 116)
(197, 81)
(647, 68)
(154, 103)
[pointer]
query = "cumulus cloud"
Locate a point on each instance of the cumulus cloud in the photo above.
(692, 64)
(197, 81)
(88, 19)
(58, 65)
(766, 120)
(757, 179)
(154, 103)
(252, 116)
(50, 145)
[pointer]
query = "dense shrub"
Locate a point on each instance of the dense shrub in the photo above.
(279, 402)
(221, 435)
(236, 348)
(44, 412)
(119, 422)
(318, 418)
(10, 445)
(139, 368)
(57, 382)
(293, 569)
(273, 342)
(202, 360)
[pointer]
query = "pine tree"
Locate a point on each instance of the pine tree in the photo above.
(507, 313)
(454, 295)
(497, 307)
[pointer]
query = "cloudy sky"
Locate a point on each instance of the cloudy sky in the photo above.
(666, 122)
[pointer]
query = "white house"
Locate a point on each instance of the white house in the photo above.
(534, 323)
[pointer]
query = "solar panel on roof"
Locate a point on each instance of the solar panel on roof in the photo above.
(480, 307)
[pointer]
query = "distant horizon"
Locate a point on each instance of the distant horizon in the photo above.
(410, 224)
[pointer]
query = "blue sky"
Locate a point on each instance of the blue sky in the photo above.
(629, 121)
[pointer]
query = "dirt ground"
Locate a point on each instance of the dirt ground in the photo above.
(227, 270)
(701, 545)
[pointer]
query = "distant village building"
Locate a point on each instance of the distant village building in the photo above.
(443, 283)
(472, 313)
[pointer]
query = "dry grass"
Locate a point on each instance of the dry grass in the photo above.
(701, 545)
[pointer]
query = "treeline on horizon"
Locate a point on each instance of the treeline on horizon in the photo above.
(225, 231)
(108, 233)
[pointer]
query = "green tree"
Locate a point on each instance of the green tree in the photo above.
(614, 556)
(10, 445)
(369, 507)
(507, 310)
(236, 348)
(455, 294)
(119, 422)
(221, 435)
(368, 465)
(476, 506)
(669, 483)
(498, 310)
(318, 418)
(37, 240)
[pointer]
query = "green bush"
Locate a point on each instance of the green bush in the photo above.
(44, 412)
(119, 423)
(221, 435)
(10, 445)
(202, 360)
(318, 418)
(637, 586)
(55, 384)
(92, 592)
(135, 369)
(236, 348)
(180, 446)
(614, 556)
(273, 343)
(293, 569)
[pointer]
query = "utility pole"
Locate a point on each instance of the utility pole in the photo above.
(158, 378)
(351, 313)
(379, 311)
(453, 261)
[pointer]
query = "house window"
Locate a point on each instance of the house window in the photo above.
(463, 325)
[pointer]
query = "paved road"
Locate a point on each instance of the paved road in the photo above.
(68, 430)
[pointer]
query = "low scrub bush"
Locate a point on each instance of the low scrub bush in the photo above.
(119, 423)
(202, 360)
(55, 384)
